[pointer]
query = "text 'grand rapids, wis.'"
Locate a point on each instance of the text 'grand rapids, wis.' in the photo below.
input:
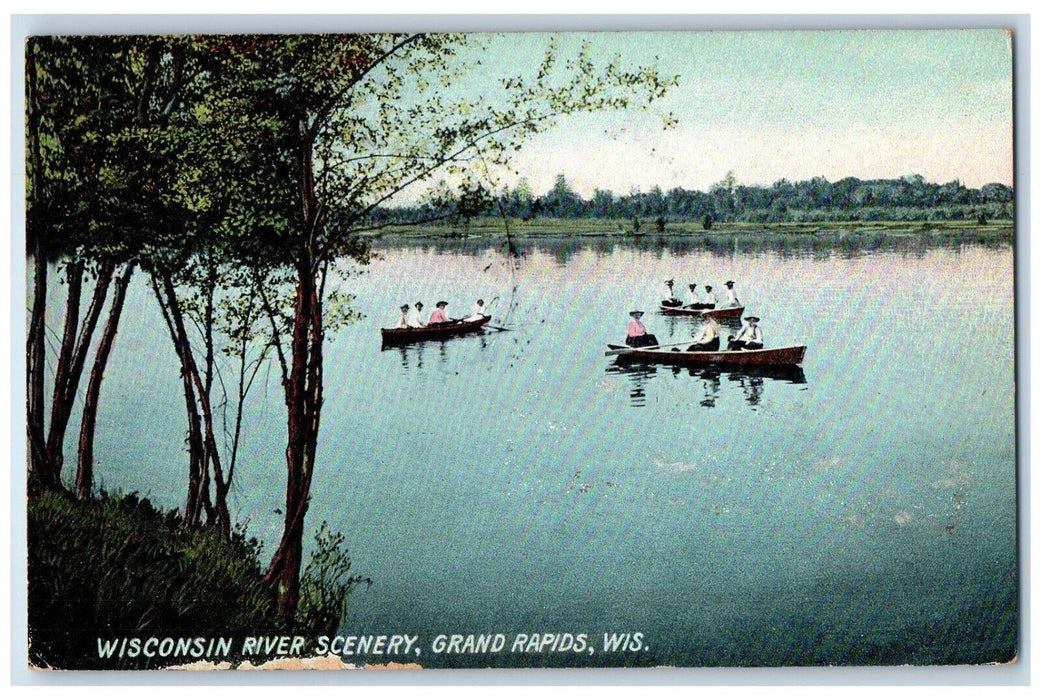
(397, 645)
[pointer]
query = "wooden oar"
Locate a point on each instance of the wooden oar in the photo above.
(620, 350)
(494, 328)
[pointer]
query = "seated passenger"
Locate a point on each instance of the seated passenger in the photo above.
(415, 320)
(439, 316)
(477, 312)
(732, 300)
(403, 317)
(637, 335)
(708, 339)
(710, 298)
(693, 300)
(672, 301)
(750, 337)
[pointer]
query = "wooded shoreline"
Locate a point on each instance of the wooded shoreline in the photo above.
(615, 228)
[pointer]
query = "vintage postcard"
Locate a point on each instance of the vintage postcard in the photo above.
(687, 349)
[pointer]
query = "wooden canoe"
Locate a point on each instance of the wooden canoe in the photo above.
(767, 357)
(398, 336)
(718, 312)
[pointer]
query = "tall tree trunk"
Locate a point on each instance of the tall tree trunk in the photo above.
(35, 368)
(284, 571)
(59, 409)
(247, 372)
(217, 512)
(72, 357)
(203, 450)
(85, 468)
(35, 340)
(204, 385)
(196, 499)
(303, 385)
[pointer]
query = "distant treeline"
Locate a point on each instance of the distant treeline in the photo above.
(908, 198)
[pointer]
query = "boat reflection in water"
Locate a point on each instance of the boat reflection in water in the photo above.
(638, 375)
(414, 354)
(751, 380)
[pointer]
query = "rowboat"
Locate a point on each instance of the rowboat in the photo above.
(725, 312)
(767, 357)
(398, 336)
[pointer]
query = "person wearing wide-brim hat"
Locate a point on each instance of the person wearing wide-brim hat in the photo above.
(750, 337)
(732, 300)
(637, 336)
(707, 340)
(415, 316)
(439, 315)
(710, 298)
(403, 317)
(672, 301)
(477, 312)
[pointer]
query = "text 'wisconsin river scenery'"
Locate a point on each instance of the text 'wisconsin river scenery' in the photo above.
(333, 361)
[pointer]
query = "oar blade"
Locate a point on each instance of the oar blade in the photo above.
(625, 349)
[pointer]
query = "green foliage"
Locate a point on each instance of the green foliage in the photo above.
(326, 584)
(113, 163)
(119, 566)
(814, 200)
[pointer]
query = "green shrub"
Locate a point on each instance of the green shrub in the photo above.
(118, 566)
(325, 585)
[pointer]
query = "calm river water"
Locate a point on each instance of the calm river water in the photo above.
(520, 482)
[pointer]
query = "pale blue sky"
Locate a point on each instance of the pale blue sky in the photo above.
(787, 104)
(764, 104)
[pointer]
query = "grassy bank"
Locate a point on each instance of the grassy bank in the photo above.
(118, 567)
(497, 226)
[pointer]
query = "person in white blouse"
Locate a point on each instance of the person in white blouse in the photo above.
(708, 339)
(672, 301)
(710, 298)
(415, 316)
(477, 311)
(403, 317)
(693, 298)
(750, 337)
(731, 295)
